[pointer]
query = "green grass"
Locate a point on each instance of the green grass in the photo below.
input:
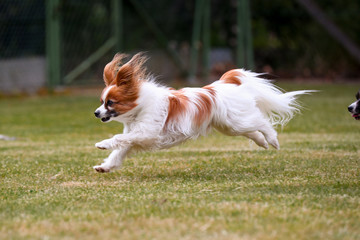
(217, 187)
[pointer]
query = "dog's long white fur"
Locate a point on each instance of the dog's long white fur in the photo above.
(250, 109)
(278, 106)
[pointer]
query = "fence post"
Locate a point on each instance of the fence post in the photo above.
(244, 50)
(206, 40)
(195, 42)
(53, 55)
(117, 18)
(240, 56)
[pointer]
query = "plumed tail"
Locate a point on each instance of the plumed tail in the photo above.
(278, 106)
(281, 108)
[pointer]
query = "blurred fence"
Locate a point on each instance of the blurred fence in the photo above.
(92, 31)
(85, 27)
(22, 28)
(87, 33)
(78, 37)
(22, 45)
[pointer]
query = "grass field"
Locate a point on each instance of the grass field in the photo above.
(217, 187)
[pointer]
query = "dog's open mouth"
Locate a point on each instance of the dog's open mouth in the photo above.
(105, 119)
(356, 116)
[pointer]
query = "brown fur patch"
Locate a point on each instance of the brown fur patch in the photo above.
(123, 97)
(115, 71)
(102, 93)
(126, 80)
(204, 106)
(133, 70)
(211, 90)
(177, 105)
(112, 67)
(231, 77)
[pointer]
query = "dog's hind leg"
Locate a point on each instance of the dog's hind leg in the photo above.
(258, 138)
(270, 135)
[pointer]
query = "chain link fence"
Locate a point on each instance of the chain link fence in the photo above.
(85, 26)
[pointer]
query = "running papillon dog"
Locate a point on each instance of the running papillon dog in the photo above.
(240, 103)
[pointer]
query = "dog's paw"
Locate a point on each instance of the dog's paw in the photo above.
(103, 145)
(264, 145)
(101, 169)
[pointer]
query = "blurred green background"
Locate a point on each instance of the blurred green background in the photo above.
(68, 42)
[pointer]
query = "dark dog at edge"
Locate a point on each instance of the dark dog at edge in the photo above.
(354, 108)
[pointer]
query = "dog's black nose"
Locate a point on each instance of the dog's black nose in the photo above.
(350, 108)
(97, 114)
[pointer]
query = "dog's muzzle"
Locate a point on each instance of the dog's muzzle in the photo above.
(105, 117)
(354, 110)
(97, 114)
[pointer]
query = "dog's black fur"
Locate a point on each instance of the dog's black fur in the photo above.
(354, 108)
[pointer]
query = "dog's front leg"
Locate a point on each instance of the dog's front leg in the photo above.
(120, 141)
(117, 141)
(114, 160)
(105, 144)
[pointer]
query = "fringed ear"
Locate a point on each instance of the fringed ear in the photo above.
(133, 70)
(112, 67)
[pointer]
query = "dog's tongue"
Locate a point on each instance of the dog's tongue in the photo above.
(356, 115)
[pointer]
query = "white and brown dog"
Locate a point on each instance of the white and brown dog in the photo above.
(354, 108)
(240, 103)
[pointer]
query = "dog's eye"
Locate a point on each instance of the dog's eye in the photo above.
(109, 103)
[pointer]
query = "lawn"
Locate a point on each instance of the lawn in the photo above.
(217, 187)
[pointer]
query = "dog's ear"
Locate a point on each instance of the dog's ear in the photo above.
(112, 67)
(132, 70)
(358, 95)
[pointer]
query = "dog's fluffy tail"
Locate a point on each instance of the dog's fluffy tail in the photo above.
(278, 106)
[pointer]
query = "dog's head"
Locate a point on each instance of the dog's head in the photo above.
(354, 108)
(122, 86)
